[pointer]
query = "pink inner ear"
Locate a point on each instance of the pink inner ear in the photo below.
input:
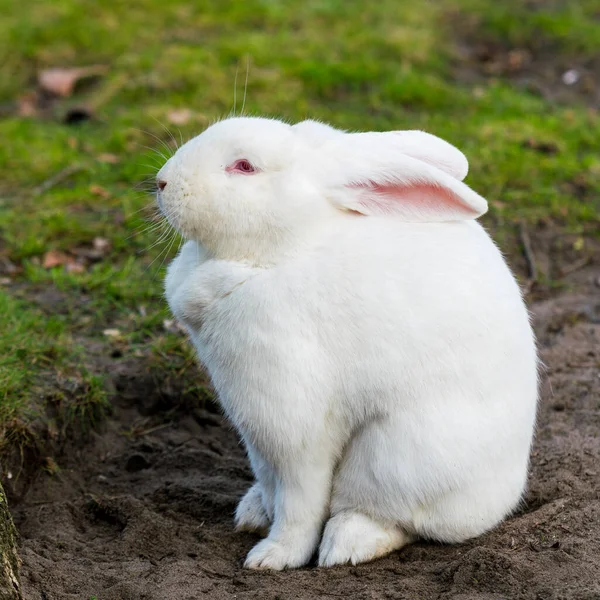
(419, 202)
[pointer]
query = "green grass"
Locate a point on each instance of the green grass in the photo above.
(34, 346)
(29, 341)
(358, 65)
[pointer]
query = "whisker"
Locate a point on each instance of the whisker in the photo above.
(163, 227)
(161, 239)
(138, 195)
(175, 236)
(149, 179)
(150, 265)
(148, 228)
(158, 152)
(159, 140)
(245, 84)
(145, 188)
(161, 254)
(167, 130)
(146, 207)
(153, 167)
(151, 227)
(235, 90)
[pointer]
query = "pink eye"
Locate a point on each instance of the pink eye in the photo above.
(241, 166)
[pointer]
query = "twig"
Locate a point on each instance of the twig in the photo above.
(528, 253)
(152, 429)
(578, 264)
(56, 179)
(107, 92)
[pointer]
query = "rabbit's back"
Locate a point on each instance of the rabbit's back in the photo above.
(406, 310)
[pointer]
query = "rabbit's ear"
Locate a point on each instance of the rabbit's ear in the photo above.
(432, 150)
(392, 174)
(315, 132)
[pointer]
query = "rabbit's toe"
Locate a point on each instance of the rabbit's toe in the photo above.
(270, 554)
(352, 537)
(250, 514)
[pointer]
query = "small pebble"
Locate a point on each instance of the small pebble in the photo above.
(570, 77)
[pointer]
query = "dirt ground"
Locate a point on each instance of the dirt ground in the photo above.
(144, 509)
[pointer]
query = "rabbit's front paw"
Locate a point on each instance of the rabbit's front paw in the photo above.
(250, 514)
(271, 554)
(352, 537)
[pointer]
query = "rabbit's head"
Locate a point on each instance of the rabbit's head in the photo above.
(255, 189)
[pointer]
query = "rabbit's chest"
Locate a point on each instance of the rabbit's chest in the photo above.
(198, 301)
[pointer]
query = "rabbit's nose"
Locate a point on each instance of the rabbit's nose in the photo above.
(161, 184)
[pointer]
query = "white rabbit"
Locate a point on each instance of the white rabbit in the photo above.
(362, 331)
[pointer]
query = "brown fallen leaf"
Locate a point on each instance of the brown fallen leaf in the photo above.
(106, 157)
(517, 58)
(61, 81)
(27, 105)
(98, 190)
(541, 146)
(179, 116)
(54, 258)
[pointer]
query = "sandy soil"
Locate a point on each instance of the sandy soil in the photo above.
(144, 509)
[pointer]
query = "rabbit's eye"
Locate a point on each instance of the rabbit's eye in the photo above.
(241, 166)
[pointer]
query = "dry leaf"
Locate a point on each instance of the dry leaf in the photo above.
(113, 333)
(62, 81)
(54, 258)
(543, 147)
(179, 116)
(27, 105)
(517, 58)
(98, 190)
(73, 266)
(106, 157)
(101, 244)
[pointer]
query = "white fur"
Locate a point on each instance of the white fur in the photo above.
(381, 372)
